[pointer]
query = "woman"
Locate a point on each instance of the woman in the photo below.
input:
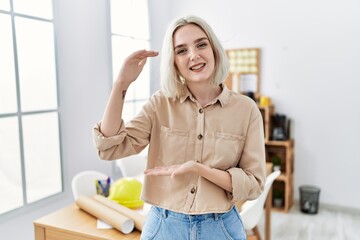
(206, 143)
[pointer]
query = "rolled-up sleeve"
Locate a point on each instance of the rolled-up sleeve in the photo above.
(103, 143)
(108, 146)
(248, 178)
(130, 139)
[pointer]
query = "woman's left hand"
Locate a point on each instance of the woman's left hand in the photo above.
(219, 177)
(187, 167)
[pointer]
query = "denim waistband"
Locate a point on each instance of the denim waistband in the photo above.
(192, 217)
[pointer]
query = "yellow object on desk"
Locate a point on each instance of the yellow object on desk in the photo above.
(127, 191)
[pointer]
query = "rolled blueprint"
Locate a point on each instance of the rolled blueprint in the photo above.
(114, 218)
(138, 219)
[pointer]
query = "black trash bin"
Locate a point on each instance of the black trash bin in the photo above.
(309, 199)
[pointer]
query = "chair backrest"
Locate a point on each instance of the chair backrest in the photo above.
(83, 183)
(251, 211)
(132, 166)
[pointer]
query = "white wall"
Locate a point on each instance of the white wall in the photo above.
(159, 19)
(311, 70)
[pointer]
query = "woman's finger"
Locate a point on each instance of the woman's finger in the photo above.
(143, 54)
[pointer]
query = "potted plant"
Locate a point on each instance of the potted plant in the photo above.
(276, 162)
(278, 198)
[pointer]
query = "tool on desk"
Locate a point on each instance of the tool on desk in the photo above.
(103, 186)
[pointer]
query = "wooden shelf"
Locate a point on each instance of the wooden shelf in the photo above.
(282, 177)
(267, 112)
(283, 150)
(287, 143)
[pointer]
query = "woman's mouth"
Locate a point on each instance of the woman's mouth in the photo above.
(197, 67)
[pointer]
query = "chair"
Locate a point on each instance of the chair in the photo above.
(83, 183)
(252, 210)
(132, 166)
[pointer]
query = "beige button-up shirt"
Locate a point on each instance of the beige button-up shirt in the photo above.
(226, 134)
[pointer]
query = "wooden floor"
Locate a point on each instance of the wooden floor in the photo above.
(327, 224)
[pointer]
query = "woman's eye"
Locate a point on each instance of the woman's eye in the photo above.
(202, 45)
(181, 51)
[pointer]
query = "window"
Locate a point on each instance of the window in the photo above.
(130, 32)
(30, 162)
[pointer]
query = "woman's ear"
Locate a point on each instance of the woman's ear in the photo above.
(182, 79)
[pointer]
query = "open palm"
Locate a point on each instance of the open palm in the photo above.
(172, 170)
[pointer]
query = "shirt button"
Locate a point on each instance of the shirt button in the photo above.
(192, 190)
(199, 136)
(201, 110)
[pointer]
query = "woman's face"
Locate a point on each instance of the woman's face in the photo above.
(193, 53)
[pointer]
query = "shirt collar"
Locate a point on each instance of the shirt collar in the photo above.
(186, 94)
(223, 98)
(224, 95)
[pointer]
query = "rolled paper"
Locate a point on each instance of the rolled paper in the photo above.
(117, 220)
(138, 219)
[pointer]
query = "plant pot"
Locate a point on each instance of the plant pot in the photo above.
(276, 167)
(278, 202)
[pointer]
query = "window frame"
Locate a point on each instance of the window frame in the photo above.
(30, 206)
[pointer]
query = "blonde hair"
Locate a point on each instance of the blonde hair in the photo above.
(171, 84)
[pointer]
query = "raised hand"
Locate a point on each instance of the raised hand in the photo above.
(129, 71)
(133, 66)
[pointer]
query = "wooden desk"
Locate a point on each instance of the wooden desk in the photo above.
(71, 223)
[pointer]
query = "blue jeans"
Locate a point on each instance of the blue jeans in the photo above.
(168, 225)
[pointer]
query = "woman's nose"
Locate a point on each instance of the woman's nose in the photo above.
(194, 55)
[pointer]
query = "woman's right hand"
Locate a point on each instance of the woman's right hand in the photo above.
(133, 66)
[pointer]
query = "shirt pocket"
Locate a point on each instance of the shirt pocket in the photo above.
(227, 150)
(173, 145)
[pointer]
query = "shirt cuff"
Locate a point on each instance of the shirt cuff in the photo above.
(240, 185)
(103, 143)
